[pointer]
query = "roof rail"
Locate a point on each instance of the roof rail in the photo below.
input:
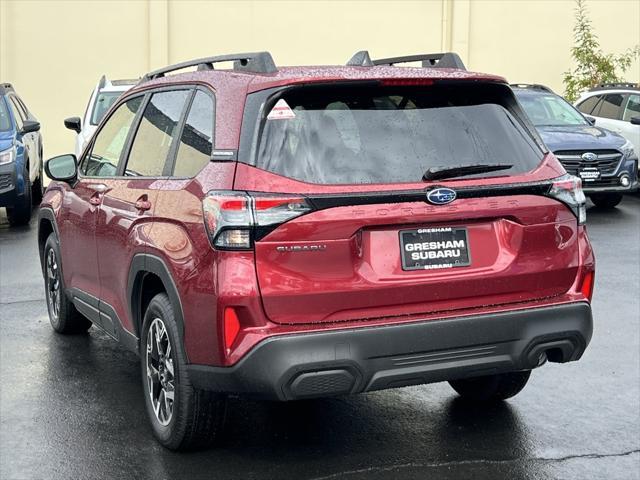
(433, 60)
(125, 81)
(532, 86)
(256, 62)
(602, 86)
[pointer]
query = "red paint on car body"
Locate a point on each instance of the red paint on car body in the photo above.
(527, 250)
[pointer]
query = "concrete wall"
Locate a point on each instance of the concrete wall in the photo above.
(54, 52)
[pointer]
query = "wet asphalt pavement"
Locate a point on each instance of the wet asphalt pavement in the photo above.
(72, 407)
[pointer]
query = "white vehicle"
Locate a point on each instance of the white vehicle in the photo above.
(103, 96)
(616, 107)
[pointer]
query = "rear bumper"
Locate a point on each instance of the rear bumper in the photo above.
(359, 360)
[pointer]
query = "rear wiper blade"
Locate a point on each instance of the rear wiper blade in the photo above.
(451, 171)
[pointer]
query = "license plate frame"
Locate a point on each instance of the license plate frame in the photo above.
(434, 234)
(589, 174)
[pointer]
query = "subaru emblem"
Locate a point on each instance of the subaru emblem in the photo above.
(441, 196)
(589, 156)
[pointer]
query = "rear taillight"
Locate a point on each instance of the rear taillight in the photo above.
(568, 190)
(234, 220)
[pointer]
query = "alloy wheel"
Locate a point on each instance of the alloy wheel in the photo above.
(53, 284)
(160, 373)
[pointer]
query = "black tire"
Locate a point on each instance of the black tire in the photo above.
(37, 189)
(606, 200)
(491, 388)
(195, 418)
(20, 213)
(63, 315)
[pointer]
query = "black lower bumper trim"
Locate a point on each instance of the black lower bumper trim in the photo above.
(374, 358)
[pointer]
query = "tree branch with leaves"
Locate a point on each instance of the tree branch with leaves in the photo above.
(593, 65)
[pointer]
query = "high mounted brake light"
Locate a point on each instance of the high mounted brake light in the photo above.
(568, 190)
(393, 82)
(234, 220)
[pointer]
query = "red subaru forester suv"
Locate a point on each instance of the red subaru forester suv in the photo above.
(299, 232)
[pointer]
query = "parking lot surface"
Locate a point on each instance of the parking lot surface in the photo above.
(72, 407)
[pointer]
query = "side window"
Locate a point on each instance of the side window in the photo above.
(103, 159)
(632, 109)
(588, 104)
(5, 120)
(22, 107)
(17, 115)
(196, 141)
(156, 133)
(611, 106)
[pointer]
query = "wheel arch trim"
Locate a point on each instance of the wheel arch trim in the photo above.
(142, 264)
(46, 214)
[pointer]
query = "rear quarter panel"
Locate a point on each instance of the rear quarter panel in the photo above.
(179, 238)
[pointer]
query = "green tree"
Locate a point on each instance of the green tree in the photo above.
(593, 65)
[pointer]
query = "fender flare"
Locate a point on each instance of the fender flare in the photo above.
(46, 213)
(141, 264)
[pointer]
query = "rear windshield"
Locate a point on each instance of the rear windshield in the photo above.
(390, 134)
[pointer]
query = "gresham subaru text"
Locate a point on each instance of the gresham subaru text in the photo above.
(253, 231)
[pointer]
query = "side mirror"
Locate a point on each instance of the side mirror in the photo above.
(63, 168)
(635, 120)
(30, 126)
(589, 119)
(73, 123)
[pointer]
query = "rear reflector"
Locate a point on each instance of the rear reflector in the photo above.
(231, 327)
(587, 285)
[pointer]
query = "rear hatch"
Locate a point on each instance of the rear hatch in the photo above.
(367, 237)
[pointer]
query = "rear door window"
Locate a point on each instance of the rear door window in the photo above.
(196, 141)
(611, 106)
(156, 134)
(588, 105)
(391, 134)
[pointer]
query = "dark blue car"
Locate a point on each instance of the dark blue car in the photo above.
(604, 160)
(21, 162)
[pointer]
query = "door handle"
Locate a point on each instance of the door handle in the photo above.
(99, 190)
(98, 187)
(96, 199)
(143, 204)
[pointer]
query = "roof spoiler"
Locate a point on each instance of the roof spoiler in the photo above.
(429, 60)
(256, 62)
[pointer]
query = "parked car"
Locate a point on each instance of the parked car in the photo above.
(20, 157)
(605, 161)
(300, 232)
(616, 107)
(104, 95)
